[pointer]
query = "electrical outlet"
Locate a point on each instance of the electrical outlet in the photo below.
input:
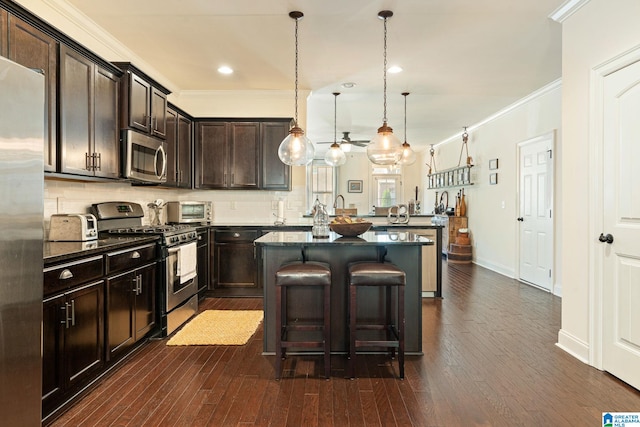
(233, 205)
(274, 205)
(503, 205)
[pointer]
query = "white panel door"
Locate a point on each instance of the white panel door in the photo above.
(536, 202)
(621, 219)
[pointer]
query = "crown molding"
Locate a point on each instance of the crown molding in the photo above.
(567, 9)
(537, 94)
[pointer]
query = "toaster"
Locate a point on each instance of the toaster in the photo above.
(73, 228)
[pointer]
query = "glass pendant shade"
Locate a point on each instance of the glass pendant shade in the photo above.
(385, 148)
(296, 149)
(345, 146)
(335, 156)
(408, 155)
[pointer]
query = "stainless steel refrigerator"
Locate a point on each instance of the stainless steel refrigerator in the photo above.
(21, 236)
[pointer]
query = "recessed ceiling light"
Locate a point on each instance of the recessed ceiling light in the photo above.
(225, 70)
(348, 85)
(394, 69)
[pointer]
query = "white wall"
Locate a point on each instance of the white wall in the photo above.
(493, 227)
(597, 32)
(358, 167)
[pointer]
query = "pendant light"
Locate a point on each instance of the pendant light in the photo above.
(408, 155)
(335, 156)
(296, 149)
(385, 148)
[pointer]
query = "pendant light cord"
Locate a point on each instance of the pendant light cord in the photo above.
(405, 115)
(384, 119)
(335, 116)
(296, 88)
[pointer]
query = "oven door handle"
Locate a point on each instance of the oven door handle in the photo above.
(160, 151)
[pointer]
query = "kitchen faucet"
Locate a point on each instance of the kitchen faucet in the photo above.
(335, 202)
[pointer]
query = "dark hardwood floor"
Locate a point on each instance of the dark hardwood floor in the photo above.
(489, 360)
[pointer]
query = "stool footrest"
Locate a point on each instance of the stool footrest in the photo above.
(303, 328)
(305, 344)
(394, 344)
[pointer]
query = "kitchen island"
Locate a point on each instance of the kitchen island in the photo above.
(401, 248)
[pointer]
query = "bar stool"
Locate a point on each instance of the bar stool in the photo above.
(302, 274)
(378, 274)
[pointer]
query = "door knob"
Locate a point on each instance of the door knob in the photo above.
(606, 238)
(520, 219)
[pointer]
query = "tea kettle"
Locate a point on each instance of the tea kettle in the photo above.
(320, 227)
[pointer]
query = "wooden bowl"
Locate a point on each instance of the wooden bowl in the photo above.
(350, 229)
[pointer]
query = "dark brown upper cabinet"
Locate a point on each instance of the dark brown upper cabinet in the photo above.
(32, 48)
(89, 135)
(227, 154)
(144, 102)
(240, 154)
(275, 174)
(179, 148)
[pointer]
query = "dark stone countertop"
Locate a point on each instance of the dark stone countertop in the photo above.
(369, 238)
(55, 252)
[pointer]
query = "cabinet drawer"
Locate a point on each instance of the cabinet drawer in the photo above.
(65, 276)
(233, 236)
(130, 258)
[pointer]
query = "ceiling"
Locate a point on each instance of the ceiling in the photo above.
(462, 60)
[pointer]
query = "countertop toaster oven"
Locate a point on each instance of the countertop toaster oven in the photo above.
(73, 228)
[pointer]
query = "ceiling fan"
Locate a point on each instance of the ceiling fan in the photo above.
(346, 140)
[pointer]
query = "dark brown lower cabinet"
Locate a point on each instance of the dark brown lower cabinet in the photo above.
(235, 269)
(73, 342)
(203, 261)
(130, 309)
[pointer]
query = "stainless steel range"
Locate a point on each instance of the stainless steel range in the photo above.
(178, 284)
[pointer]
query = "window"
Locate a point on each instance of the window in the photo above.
(387, 185)
(323, 183)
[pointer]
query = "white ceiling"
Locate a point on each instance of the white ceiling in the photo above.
(463, 60)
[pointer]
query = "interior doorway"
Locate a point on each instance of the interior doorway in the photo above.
(535, 212)
(616, 230)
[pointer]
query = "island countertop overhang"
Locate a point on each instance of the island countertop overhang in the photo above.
(369, 238)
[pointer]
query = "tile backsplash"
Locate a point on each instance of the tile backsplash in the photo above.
(229, 207)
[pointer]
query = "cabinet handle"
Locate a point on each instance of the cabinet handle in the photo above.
(67, 319)
(65, 274)
(88, 164)
(97, 164)
(236, 234)
(65, 308)
(135, 254)
(139, 284)
(73, 312)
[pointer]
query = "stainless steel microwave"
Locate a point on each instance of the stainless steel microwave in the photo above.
(189, 212)
(145, 158)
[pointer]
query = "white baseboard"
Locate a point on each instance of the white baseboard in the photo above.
(574, 346)
(495, 267)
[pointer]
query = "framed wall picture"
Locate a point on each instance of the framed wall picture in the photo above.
(354, 186)
(493, 178)
(493, 164)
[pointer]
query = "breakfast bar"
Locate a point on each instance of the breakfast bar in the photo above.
(400, 248)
